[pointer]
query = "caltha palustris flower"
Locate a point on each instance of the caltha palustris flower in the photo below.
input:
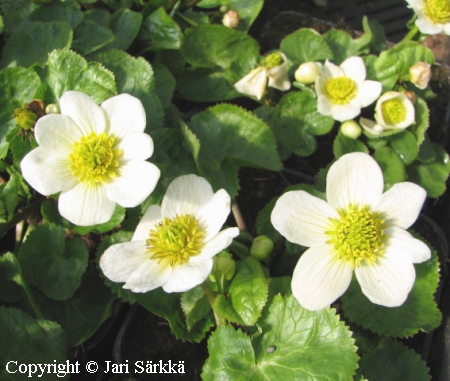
(357, 229)
(27, 116)
(94, 156)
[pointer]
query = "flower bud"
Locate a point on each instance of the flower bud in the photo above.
(231, 19)
(25, 118)
(222, 265)
(307, 72)
(420, 74)
(52, 108)
(262, 246)
(351, 129)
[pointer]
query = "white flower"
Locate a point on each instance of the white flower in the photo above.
(358, 228)
(307, 72)
(273, 73)
(342, 90)
(174, 243)
(433, 16)
(94, 155)
(420, 74)
(393, 111)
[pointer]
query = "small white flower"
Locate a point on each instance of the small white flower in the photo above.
(174, 243)
(358, 228)
(94, 155)
(307, 72)
(273, 73)
(420, 74)
(433, 16)
(393, 111)
(343, 90)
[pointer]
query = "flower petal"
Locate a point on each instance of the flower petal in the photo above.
(46, 172)
(124, 114)
(403, 244)
(302, 218)
(186, 194)
(57, 133)
(187, 276)
(368, 92)
(150, 219)
(119, 261)
(86, 205)
(84, 112)
(254, 83)
(136, 181)
(401, 204)
(213, 214)
(344, 112)
(355, 69)
(319, 279)
(355, 178)
(136, 146)
(216, 244)
(389, 282)
(148, 276)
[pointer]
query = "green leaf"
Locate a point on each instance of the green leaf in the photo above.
(392, 361)
(195, 306)
(89, 37)
(395, 62)
(247, 294)
(427, 153)
(16, 14)
(422, 120)
(31, 44)
(377, 31)
(263, 223)
(294, 344)
(210, 45)
(418, 313)
(135, 76)
(82, 314)
(11, 279)
(392, 166)
(125, 25)
(431, 176)
(26, 340)
(168, 306)
(98, 16)
(51, 263)
(10, 194)
(343, 145)
(344, 46)
(56, 11)
(70, 71)
(165, 83)
(305, 45)
(405, 145)
(160, 32)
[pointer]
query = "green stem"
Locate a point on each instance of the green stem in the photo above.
(211, 296)
(409, 36)
(20, 216)
(31, 299)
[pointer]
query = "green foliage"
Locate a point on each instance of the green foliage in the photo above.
(293, 344)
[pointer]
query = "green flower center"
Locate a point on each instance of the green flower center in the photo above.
(358, 236)
(94, 158)
(341, 90)
(272, 60)
(393, 111)
(438, 11)
(175, 241)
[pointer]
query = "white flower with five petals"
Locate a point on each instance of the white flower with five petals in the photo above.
(433, 16)
(174, 243)
(343, 90)
(94, 155)
(359, 228)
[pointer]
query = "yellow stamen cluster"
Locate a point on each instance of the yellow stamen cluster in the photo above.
(94, 158)
(358, 236)
(393, 111)
(340, 90)
(437, 11)
(175, 241)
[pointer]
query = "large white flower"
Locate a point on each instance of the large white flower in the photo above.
(343, 90)
(358, 228)
(174, 243)
(393, 111)
(433, 16)
(273, 72)
(94, 155)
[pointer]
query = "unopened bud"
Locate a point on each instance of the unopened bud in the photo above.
(223, 8)
(262, 246)
(307, 72)
(25, 118)
(231, 19)
(351, 129)
(420, 74)
(223, 265)
(52, 108)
